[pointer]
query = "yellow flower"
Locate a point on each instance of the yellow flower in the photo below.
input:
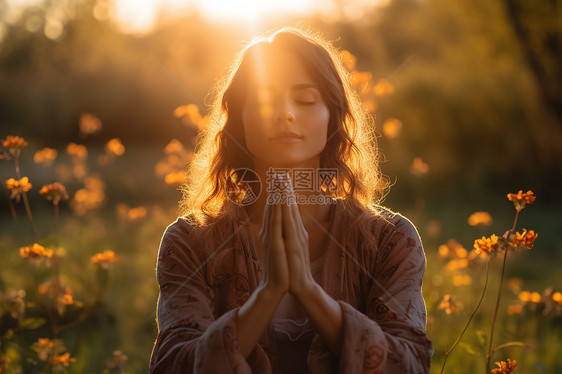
(486, 245)
(36, 251)
(115, 147)
(77, 150)
(480, 219)
(45, 156)
(505, 367)
(520, 199)
(104, 258)
(14, 144)
(55, 192)
(18, 187)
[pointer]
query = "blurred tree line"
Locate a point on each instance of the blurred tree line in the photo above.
(477, 84)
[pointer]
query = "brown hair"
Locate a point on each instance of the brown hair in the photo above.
(221, 150)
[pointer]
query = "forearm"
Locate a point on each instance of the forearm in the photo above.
(325, 314)
(254, 316)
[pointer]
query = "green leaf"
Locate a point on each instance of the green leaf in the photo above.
(32, 323)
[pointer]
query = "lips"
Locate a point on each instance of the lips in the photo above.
(286, 135)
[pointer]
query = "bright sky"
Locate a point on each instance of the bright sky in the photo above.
(140, 15)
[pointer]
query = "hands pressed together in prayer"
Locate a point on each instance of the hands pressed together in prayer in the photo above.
(285, 251)
(284, 243)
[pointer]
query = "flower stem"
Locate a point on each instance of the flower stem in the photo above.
(29, 215)
(471, 316)
(10, 203)
(489, 355)
(56, 223)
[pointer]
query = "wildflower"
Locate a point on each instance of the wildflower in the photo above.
(419, 167)
(486, 245)
(480, 219)
(557, 297)
(383, 87)
(514, 309)
(45, 156)
(36, 251)
(174, 146)
(391, 128)
(526, 238)
(63, 301)
(18, 187)
(462, 280)
(62, 361)
(443, 250)
(529, 297)
(449, 304)
(175, 178)
(457, 264)
(348, 60)
(118, 360)
(43, 347)
(137, 213)
(77, 150)
(104, 258)
(54, 192)
(14, 144)
(115, 147)
(505, 367)
(514, 284)
(520, 199)
(89, 124)
(190, 113)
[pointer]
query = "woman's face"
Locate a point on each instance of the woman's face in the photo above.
(285, 118)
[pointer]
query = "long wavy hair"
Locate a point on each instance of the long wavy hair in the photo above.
(221, 150)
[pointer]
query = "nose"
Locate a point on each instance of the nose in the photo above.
(284, 110)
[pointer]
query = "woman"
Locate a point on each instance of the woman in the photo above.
(280, 261)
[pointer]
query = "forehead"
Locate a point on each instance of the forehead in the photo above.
(279, 70)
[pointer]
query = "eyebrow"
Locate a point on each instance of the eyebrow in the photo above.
(296, 87)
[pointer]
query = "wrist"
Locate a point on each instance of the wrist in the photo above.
(270, 294)
(307, 290)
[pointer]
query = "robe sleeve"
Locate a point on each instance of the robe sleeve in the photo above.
(390, 336)
(190, 339)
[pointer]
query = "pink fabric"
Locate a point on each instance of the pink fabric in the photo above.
(205, 276)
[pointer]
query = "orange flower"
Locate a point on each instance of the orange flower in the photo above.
(4, 155)
(18, 187)
(486, 245)
(118, 361)
(391, 127)
(55, 192)
(449, 304)
(45, 156)
(505, 367)
(115, 147)
(89, 124)
(480, 219)
(14, 144)
(104, 258)
(514, 309)
(43, 347)
(529, 297)
(77, 150)
(520, 199)
(36, 251)
(419, 167)
(348, 60)
(526, 238)
(59, 362)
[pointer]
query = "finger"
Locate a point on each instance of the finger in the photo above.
(265, 218)
(277, 227)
